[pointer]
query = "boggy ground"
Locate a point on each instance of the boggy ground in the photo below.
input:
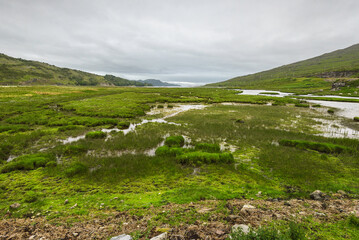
(211, 219)
(113, 176)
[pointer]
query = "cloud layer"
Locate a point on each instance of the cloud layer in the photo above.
(177, 41)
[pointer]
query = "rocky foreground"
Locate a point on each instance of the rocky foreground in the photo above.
(220, 218)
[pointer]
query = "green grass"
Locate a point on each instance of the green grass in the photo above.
(96, 134)
(93, 171)
(320, 147)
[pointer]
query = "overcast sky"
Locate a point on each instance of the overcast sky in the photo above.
(191, 41)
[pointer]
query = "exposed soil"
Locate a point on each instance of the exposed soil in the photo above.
(219, 223)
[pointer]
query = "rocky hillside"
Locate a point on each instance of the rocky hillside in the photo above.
(17, 71)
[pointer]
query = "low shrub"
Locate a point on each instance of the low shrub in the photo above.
(174, 141)
(27, 162)
(51, 164)
(303, 105)
(160, 106)
(294, 232)
(353, 220)
(169, 106)
(96, 135)
(208, 147)
(5, 149)
(67, 128)
(169, 151)
(30, 197)
(74, 149)
(76, 168)
(199, 158)
(356, 119)
(317, 105)
(317, 146)
(239, 121)
(330, 111)
(123, 125)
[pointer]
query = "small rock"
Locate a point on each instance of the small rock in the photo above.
(102, 204)
(115, 198)
(341, 192)
(317, 195)
(73, 206)
(204, 210)
(319, 214)
(247, 206)
(220, 232)
(32, 237)
(192, 233)
(66, 201)
(286, 203)
(241, 227)
(122, 237)
(176, 237)
(162, 236)
(15, 205)
(259, 194)
(75, 234)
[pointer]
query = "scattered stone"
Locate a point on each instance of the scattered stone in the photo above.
(102, 204)
(122, 237)
(15, 205)
(247, 206)
(75, 234)
(319, 214)
(162, 236)
(286, 203)
(241, 227)
(204, 210)
(259, 194)
(73, 206)
(192, 233)
(317, 195)
(66, 201)
(341, 192)
(220, 232)
(232, 218)
(32, 237)
(176, 237)
(115, 198)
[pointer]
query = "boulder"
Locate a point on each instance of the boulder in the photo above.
(317, 195)
(241, 227)
(122, 237)
(15, 205)
(162, 236)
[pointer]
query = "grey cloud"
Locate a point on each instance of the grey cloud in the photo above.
(183, 41)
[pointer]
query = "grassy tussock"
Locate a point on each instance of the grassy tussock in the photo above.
(317, 146)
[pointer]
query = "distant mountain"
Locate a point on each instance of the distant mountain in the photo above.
(342, 64)
(159, 83)
(17, 71)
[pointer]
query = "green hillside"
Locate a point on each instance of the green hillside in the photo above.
(16, 71)
(315, 73)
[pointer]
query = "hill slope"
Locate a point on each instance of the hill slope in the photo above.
(155, 82)
(16, 71)
(340, 64)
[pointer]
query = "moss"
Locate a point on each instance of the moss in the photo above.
(317, 146)
(96, 135)
(174, 141)
(169, 151)
(208, 147)
(199, 158)
(27, 162)
(76, 168)
(123, 125)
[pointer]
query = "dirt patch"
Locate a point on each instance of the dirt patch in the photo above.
(208, 219)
